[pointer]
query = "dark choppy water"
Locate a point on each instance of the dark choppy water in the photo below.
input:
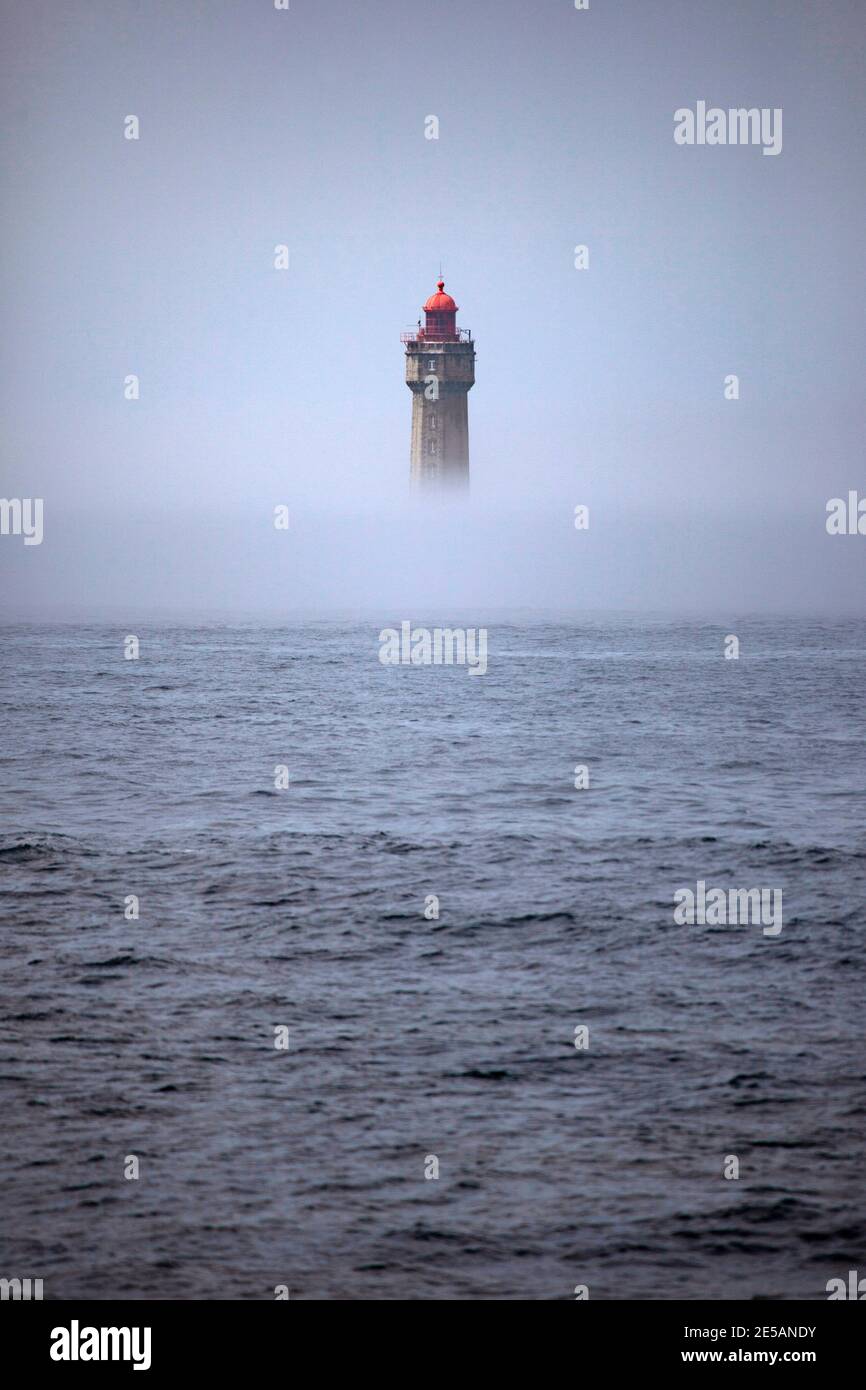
(411, 1037)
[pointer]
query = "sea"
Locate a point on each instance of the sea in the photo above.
(332, 979)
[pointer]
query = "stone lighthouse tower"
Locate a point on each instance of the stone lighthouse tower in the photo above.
(440, 371)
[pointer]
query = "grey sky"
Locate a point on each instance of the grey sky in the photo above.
(602, 386)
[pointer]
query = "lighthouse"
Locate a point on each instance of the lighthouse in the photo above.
(440, 372)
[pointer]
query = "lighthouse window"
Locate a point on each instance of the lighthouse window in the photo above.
(432, 446)
(432, 422)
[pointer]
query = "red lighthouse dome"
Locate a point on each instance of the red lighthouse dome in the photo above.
(440, 316)
(440, 302)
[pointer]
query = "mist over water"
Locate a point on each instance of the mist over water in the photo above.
(432, 556)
